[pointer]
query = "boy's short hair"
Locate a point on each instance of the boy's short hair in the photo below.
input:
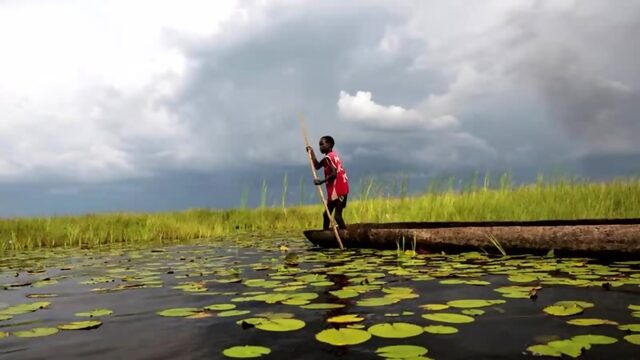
(329, 140)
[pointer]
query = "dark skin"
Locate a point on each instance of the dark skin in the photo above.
(325, 148)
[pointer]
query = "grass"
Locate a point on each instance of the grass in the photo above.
(560, 199)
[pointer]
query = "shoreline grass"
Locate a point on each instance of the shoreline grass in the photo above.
(560, 199)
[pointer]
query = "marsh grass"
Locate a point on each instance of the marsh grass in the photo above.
(445, 201)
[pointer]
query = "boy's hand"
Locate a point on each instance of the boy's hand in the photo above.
(317, 181)
(309, 149)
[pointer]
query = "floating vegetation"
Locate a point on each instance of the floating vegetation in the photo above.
(345, 319)
(245, 292)
(246, 351)
(341, 337)
(95, 313)
(397, 330)
(402, 351)
(440, 329)
(81, 325)
(449, 318)
(274, 324)
(35, 332)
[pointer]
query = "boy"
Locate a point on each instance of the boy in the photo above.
(336, 178)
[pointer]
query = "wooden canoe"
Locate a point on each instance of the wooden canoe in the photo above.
(565, 236)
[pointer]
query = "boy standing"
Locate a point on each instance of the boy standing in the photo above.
(336, 178)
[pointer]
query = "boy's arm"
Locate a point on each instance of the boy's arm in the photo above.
(316, 164)
(332, 175)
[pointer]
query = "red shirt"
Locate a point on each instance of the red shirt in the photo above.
(340, 185)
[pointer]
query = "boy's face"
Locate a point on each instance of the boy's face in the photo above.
(324, 146)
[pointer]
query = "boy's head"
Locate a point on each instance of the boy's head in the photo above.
(326, 144)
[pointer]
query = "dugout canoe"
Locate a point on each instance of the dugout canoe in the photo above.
(620, 236)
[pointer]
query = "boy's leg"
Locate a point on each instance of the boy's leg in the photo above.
(325, 218)
(341, 203)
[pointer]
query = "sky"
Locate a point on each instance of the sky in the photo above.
(165, 105)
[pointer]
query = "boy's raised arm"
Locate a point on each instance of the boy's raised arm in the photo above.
(317, 164)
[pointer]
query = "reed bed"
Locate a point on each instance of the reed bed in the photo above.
(559, 199)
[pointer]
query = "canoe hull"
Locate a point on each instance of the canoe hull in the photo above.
(570, 236)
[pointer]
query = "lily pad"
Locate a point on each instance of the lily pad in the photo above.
(24, 308)
(220, 307)
(630, 327)
(473, 303)
(569, 347)
(344, 294)
(276, 324)
(179, 312)
(5, 317)
(560, 310)
(594, 339)
(322, 306)
(434, 307)
(472, 312)
(440, 329)
(342, 319)
(233, 313)
(397, 330)
(97, 312)
(246, 351)
(544, 350)
(634, 339)
(81, 325)
(341, 337)
(582, 304)
(379, 301)
(36, 332)
(634, 307)
(449, 318)
(591, 322)
(401, 351)
(4, 334)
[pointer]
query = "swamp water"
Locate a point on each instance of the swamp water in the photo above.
(208, 301)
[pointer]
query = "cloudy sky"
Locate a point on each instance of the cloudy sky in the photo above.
(156, 105)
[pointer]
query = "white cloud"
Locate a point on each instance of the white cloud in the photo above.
(363, 110)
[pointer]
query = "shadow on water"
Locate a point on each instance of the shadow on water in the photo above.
(259, 276)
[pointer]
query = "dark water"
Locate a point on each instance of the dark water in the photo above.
(142, 281)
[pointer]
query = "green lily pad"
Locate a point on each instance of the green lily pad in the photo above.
(5, 317)
(322, 306)
(344, 294)
(81, 325)
(97, 312)
(4, 334)
(630, 327)
(401, 351)
(634, 307)
(522, 278)
(582, 304)
(341, 337)
(179, 312)
(434, 307)
(397, 330)
(594, 339)
(634, 339)
(220, 307)
(569, 347)
(24, 308)
(559, 310)
(472, 312)
(246, 351)
(473, 303)
(591, 322)
(544, 350)
(275, 324)
(379, 301)
(233, 313)
(342, 319)
(449, 318)
(36, 332)
(440, 329)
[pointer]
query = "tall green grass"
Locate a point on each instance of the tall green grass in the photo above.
(446, 201)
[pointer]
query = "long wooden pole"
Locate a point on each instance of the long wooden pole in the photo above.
(315, 177)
